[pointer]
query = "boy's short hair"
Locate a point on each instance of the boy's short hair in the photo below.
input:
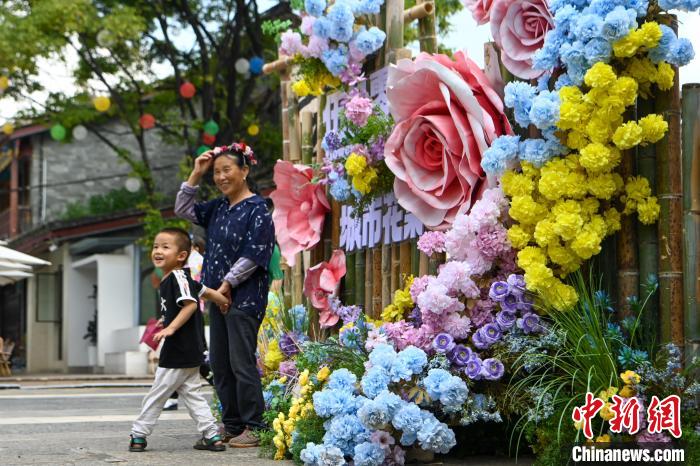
(182, 239)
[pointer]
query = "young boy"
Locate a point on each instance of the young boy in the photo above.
(183, 349)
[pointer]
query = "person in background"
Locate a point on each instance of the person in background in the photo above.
(276, 273)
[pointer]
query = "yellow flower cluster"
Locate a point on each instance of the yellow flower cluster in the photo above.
(646, 74)
(403, 302)
(273, 356)
(301, 407)
(363, 175)
(314, 85)
(638, 198)
(643, 38)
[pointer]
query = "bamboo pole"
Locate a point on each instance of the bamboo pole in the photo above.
(360, 278)
(648, 241)
(405, 258)
(349, 287)
(307, 131)
(691, 208)
(386, 275)
(284, 90)
(298, 280)
(420, 10)
(378, 282)
(395, 268)
(294, 126)
(335, 224)
(415, 258)
(394, 28)
(369, 277)
(423, 264)
(627, 262)
(321, 129)
(670, 224)
(427, 37)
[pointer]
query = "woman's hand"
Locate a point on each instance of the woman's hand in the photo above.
(202, 164)
(225, 289)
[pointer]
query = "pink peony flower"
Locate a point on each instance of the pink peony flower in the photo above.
(435, 299)
(482, 313)
(307, 25)
(322, 282)
(358, 109)
(290, 43)
(518, 28)
(480, 9)
(375, 337)
(458, 326)
(492, 242)
(317, 45)
(447, 115)
(418, 285)
(300, 209)
(456, 276)
(431, 242)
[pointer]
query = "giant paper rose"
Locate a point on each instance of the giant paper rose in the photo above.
(321, 282)
(480, 9)
(300, 209)
(447, 115)
(519, 27)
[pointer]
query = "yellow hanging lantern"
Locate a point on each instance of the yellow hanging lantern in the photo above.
(4, 83)
(8, 128)
(102, 103)
(253, 130)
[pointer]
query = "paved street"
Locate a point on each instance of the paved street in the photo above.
(91, 426)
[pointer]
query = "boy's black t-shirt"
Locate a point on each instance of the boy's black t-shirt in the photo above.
(185, 348)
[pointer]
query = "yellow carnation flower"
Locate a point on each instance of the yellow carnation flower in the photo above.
(627, 391)
(273, 356)
(626, 89)
(649, 34)
(653, 128)
(355, 164)
(568, 220)
(559, 295)
(516, 184)
(664, 76)
(304, 377)
(576, 140)
(612, 220)
(648, 210)
(301, 88)
(628, 135)
(602, 186)
(545, 234)
(525, 210)
(600, 75)
(587, 242)
(599, 130)
(630, 378)
(531, 255)
(627, 46)
(323, 374)
(529, 169)
(637, 188)
(597, 158)
(518, 237)
(538, 276)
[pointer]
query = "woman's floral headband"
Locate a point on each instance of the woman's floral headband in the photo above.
(238, 148)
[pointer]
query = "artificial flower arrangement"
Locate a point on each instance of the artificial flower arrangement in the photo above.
(353, 165)
(565, 192)
(332, 43)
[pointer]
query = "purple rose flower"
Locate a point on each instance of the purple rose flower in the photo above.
(443, 343)
(331, 141)
(517, 284)
(460, 355)
(525, 302)
(492, 369)
(510, 302)
(498, 291)
(490, 333)
(288, 344)
(473, 368)
(529, 322)
(288, 368)
(505, 320)
(348, 313)
(478, 340)
(415, 317)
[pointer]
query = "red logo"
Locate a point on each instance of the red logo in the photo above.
(665, 415)
(585, 413)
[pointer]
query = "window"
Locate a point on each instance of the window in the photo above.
(49, 299)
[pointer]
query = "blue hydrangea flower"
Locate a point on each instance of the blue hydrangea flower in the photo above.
(345, 432)
(434, 381)
(382, 355)
(342, 20)
(617, 24)
(565, 19)
(640, 6)
(408, 420)
(587, 27)
(343, 380)
(681, 52)
(267, 397)
(336, 60)
(598, 49)
(518, 96)
(434, 435)
(340, 190)
(391, 400)
(333, 402)
(415, 358)
(315, 7)
(562, 81)
(573, 56)
(534, 151)
(309, 455)
(322, 27)
(374, 381)
(370, 41)
(399, 370)
(544, 111)
(603, 7)
(368, 454)
(453, 394)
(659, 53)
(502, 150)
(374, 414)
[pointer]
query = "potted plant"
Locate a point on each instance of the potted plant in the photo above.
(91, 334)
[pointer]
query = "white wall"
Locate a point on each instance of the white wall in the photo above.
(115, 300)
(78, 309)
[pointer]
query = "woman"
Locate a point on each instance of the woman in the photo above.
(240, 240)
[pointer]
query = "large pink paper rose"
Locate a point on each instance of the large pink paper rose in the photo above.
(519, 27)
(300, 209)
(480, 9)
(447, 114)
(321, 282)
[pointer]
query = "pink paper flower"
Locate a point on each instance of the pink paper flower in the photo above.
(518, 28)
(300, 209)
(322, 282)
(358, 109)
(431, 242)
(480, 9)
(290, 43)
(447, 115)
(307, 25)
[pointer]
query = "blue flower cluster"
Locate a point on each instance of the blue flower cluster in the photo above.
(450, 390)
(343, 380)
(683, 5)
(369, 454)
(671, 49)
(322, 455)
(334, 402)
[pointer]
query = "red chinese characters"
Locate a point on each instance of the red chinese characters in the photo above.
(584, 414)
(665, 415)
(626, 415)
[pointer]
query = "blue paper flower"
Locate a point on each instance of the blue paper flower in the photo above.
(617, 24)
(502, 150)
(382, 355)
(336, 60)
(434, 381)
(342, 21)
(544, 111)
(374, 381)
(342, 380)
(315, 7)
(332, 402)
(322, 27)
(340, 190)
(374, 414)
(368, 454)
(587, 27)
(518, 96)
(370, 41)
(415, 358)
(681, 52)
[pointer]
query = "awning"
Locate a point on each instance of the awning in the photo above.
(15, 265)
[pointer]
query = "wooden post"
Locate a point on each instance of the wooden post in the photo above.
(405, 258)
(307, 146)
(670, 225)
(691, 208)
(360, 278)
(320, 129)
(395, 268)
(394, 28)
(298, 280)
(427, 37)
(294, 126)
(627, 263)
(284, 90)
(369, 277)
(349, 289)
(386, 275)
(377, 278)
(648, 242)
(415, 258)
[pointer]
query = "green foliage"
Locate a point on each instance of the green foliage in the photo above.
(332, 354)
(267, 447)
(274, 27)
(153, 222)
(444, 10)
(309, 429)
(117, 200)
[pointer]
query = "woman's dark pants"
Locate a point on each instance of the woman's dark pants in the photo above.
(233, 340)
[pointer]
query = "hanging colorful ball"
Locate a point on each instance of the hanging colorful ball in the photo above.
(147, 121)
(253, 129)
(202, 149)
(256, 65)
(102, 103)
(4, 83)
(8, 128)
(242, 66)
(79, 133)
(187, 90)
(208, 139)
(58, 132)
(105, 38)
(132, 184)
(211, 127)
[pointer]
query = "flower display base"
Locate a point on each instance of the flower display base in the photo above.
(418, 455)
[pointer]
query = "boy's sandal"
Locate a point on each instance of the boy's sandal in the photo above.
(212, 444)
(137, 444)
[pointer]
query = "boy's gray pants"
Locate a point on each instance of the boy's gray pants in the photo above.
(187, 384)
